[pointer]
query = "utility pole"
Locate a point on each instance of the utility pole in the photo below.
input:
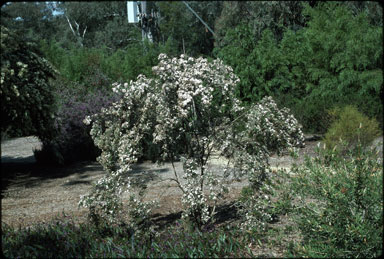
(147, 20)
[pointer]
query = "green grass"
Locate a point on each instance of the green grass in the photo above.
(62, 239)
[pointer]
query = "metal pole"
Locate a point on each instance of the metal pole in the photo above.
(201, 20)
(144, 14)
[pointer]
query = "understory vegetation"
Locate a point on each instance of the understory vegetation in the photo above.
(282, 70)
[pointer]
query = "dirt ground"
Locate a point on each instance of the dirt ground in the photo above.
(34, 193)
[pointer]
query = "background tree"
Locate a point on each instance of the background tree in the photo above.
(271, 46)
(336, 59)
(94, 24)
(277, 16)
(32, 20)
(180, 25)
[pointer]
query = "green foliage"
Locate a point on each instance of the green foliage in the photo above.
(97, 68)
(95, 24)
(246, 193)
(335, 60)
(311, 112)
(341, 209)
(350, 126)
(259, 65)
(238, 59)
(27, 100)
(126, 65)
(344, 50)
(33, 20)
(61, 238)
(178, 23)
(277, 16)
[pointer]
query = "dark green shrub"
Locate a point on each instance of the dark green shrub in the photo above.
(60, 239)
(310, 112)
(344, 59)
(341, 204)
(27, 99)
(350, 126)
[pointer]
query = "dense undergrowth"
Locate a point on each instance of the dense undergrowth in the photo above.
(62, 238)
(340, 209)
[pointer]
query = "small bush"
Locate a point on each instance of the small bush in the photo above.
(342, 213)
(350, 126)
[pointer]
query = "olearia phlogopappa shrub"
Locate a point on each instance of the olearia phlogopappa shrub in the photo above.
(267, 129)
(189, 109)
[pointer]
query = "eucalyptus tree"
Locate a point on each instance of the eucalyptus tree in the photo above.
(31, 20)
(179, 24)
(96, 24)
(260, 15)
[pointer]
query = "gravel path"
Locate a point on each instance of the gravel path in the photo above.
(19, 150)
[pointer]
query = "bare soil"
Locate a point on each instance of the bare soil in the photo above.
(33, 193)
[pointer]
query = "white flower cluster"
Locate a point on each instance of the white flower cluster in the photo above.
(195, 200)
(267, 129)
(256, 214)
(274, 128)
(192, 83)
(104, 199)
(186, 100)
(139, 214)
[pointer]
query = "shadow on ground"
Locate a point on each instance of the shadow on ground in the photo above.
(11, 159)
(226, 214)
(25, 172)
(21, 173)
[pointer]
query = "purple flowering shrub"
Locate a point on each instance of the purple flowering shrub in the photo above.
(73, 142)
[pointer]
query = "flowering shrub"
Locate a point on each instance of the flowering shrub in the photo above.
(189, 109)
(26, 96)
(175, 107)
(265, 129)
(104, 198)
(194, 199)
(256, 211)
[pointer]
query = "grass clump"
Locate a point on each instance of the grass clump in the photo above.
(341, 204)
(350, 126)
(62, 238)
